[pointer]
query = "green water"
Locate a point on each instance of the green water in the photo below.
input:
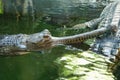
(33, 66)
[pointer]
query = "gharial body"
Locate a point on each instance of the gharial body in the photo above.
(107, 44)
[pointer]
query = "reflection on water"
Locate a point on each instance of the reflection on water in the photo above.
(33, 66)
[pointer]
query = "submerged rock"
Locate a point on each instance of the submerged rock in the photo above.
(83, 66)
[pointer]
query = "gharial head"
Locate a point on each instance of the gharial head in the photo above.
(40, 40)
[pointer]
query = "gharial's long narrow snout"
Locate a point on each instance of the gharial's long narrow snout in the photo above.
(81, 37)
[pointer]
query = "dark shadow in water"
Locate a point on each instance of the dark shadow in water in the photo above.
(116, 72)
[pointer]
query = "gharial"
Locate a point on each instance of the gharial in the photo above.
(21, 43)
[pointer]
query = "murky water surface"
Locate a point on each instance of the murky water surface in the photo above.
(33, 66)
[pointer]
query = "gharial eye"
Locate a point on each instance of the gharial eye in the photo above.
(45, 36)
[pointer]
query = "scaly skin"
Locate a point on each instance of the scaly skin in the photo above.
(108, 44)
(82, 37)
(20, 43)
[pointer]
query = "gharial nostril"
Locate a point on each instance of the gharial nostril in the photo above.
(46, 30)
